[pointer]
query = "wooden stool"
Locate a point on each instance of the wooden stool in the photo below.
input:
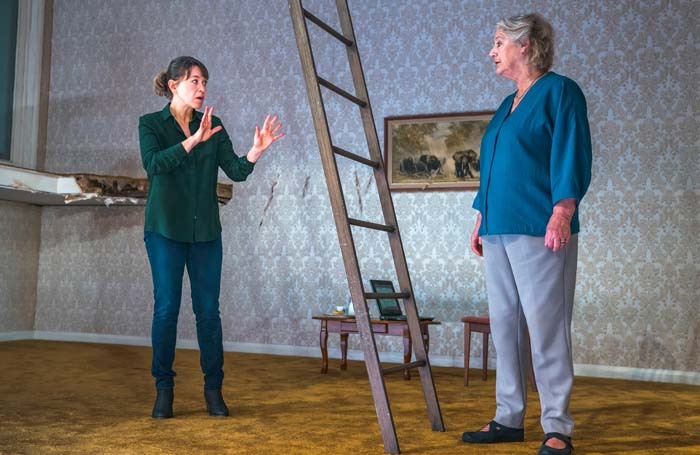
(482, 324)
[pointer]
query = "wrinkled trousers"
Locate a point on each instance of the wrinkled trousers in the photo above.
(530, 287)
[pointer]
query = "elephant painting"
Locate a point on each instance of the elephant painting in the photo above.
(434, 151)
(424, 165)
(465, 160)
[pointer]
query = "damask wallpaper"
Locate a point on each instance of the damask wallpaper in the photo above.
(19, 259)
(638, 286)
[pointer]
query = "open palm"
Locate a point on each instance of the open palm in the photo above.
(205, 130)
(268, 134)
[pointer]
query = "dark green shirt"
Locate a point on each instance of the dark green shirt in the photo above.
(182, 204)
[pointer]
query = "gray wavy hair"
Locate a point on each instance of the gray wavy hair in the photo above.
(538, 31)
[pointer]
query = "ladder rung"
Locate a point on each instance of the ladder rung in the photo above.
(367, 224)
(386, 295)
(403, 366)
(327, 28)
(341, 92)
(357, 158)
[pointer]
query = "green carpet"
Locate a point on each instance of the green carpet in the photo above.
(80, 398)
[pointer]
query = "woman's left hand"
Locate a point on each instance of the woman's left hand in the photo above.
(559, 226)
(264, 137)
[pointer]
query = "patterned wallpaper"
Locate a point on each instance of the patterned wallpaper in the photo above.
(19, 259)
(636, 302)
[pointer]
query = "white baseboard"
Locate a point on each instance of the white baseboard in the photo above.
(20, 335)
(638, 374)
(92, 338)
(596, 371)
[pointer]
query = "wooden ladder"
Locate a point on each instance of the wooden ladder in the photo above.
(343, 222)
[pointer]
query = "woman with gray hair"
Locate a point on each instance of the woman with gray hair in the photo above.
(535, 169)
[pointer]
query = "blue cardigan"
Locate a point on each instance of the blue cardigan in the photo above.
(534, 157)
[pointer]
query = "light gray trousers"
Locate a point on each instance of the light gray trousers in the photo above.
(530, 286)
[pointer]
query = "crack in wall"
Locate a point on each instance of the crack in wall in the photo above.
(269, 201)
(306, 186)
(358, 191)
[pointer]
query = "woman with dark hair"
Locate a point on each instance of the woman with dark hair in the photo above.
(535, 169)
(182, 150)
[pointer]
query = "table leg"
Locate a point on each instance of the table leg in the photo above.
(467, 352)
(407, 348)
(344, 351)
(485, 356)
(426, 338)
(323, 342)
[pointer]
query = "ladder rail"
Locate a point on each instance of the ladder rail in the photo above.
(433, 405)
(381, 399)
(344, 224)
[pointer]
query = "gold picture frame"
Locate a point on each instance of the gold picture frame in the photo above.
(434, 151)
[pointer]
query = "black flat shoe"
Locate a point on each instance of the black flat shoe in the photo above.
(546, 450)
(497, 433)
(216, 406)
(163, 407)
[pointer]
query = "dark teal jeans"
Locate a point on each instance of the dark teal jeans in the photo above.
(168, 260)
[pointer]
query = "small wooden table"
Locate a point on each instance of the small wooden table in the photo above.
(345, 325)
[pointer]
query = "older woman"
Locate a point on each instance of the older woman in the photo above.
(535, 169)
(182, 150)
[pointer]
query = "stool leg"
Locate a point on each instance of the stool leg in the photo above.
(485, 356)
(467, 348)
(407, 353)
(323, 343)
(344, 351)
(533, 382)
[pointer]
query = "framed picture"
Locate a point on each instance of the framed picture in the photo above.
(434, 152)
(387, 307)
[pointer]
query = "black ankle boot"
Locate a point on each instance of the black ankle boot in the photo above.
(215, 403)
(163, 407)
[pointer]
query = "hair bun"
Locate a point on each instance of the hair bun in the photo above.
(160, 84)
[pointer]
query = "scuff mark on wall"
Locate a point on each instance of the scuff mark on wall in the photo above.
(369, 183)
(357, 189)
(306, 186)
(269, 201)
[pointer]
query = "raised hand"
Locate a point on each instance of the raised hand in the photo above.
(205, 130)
(264, 137)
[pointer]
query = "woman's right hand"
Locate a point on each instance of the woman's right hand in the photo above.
(204, 132)
(476, 240)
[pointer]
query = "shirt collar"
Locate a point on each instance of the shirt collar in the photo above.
(196, 115)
